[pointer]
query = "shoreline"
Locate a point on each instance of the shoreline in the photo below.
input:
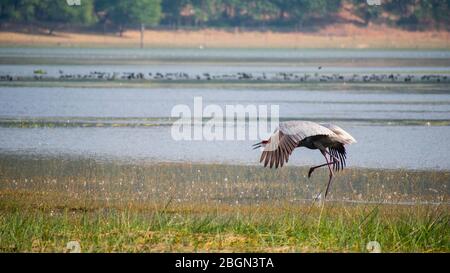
(342, 36)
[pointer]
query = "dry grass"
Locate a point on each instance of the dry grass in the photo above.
(336, 36)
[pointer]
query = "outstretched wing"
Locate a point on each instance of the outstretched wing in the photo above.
(286, 138)
(343, 136)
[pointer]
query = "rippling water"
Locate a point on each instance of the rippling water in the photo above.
(394, 129)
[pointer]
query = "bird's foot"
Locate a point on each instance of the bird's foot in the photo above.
(310, 172)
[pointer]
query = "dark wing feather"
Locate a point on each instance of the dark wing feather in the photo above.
(278, 150)
(339, 152)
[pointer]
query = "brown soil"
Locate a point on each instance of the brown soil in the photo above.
(334, 36)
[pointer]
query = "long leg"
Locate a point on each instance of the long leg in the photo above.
(324, 151)
(331, 173)
(331, 156)
(333, 161)
(319, 166)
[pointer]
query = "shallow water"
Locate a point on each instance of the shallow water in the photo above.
(394, 129)
(197, 53)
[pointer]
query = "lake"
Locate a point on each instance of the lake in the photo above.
(396, 125)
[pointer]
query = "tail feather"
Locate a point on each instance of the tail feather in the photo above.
(340, 153)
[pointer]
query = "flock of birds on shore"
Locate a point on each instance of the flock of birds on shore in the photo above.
(239, 76)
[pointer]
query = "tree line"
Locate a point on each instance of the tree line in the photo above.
(113, 15)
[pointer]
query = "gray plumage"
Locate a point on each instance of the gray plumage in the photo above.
(328, 138)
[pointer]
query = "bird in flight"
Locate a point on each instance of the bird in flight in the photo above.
(329, 139)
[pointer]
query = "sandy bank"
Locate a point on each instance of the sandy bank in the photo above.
(337, 36)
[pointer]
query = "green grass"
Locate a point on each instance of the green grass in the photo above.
(221, 228)
(141, 207)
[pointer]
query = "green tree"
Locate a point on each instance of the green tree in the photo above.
(203, 11)
(126, 13)
(56, 13)
(298, 12)
(47, 13)
(171, 10)
(123, 14)
(434, 13)
(366, 12)
(20, 11)
(260, 12)
(415, 14)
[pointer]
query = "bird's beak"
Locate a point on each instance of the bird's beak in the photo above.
(256, 145)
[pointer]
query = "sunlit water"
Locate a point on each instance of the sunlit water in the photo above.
(394, 129)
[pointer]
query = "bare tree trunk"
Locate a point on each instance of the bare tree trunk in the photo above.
(142, 35)
(120, 30)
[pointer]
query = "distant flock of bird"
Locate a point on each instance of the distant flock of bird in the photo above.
(239, 76)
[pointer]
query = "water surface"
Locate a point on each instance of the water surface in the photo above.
(393, 129)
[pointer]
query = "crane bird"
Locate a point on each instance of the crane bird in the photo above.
(328, 138)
